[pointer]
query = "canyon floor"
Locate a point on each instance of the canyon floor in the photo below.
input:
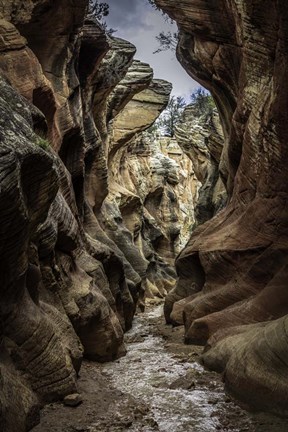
(157, 386)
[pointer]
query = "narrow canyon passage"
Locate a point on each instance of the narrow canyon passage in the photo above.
(157, 386)
(106, 208)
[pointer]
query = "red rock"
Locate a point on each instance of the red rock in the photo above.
(236, 263)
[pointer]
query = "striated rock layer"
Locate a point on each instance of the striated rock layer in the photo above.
(233, 272)
(56, 299)
(156, 205)
(200, 136)
(80, 243)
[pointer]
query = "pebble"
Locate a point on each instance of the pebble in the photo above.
(73, 400)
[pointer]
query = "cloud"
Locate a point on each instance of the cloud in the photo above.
(138, 22)
(127, 13)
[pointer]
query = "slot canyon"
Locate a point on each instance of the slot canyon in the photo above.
(143, 275)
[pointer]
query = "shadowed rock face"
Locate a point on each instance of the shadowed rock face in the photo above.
(53, 282)
(26, 328)
(233, 271)
(68, 288)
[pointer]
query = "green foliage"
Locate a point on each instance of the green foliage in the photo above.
(203, 102)
(167, 41)
(42, 142)
(171, 115)
(154, 129)
(100, 10)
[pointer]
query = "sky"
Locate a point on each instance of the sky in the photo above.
(137, 22)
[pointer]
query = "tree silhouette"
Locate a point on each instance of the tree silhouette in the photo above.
(98, 10)
(202, 101)
(167, 41)
(171, 115)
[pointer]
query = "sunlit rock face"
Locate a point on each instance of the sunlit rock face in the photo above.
(233, 271)
(201, 139)
(139, 112)
(145, 212)
(155, 190)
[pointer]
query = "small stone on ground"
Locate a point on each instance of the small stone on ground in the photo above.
(73, 400)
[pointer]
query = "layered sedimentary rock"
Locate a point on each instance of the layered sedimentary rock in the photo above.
(140, 113)
(199, 134)
(56, 302)
(234, 268)
(201, 137)
(140, 213)
(156, 205)
(80, 243)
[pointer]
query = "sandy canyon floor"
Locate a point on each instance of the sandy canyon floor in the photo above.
(158, 386)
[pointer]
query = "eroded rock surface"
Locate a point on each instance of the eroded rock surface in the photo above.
(201, 137)
(156, 205)
(233, 271)
(79, 246)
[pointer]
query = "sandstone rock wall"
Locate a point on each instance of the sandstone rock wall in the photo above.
(201, 137)
(233, 272)
(79, 245)
(156, 205)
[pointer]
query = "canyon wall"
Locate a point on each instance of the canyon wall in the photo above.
(81, 242)
(233, 271)
(157, 204)
(200, 136)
